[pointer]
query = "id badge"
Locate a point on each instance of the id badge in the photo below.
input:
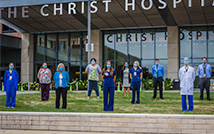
(106, 74)
(10, 78)
(135, 73)
(205, 75)
(60, 77)
(156, 76)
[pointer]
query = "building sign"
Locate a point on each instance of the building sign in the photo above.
(129, 5)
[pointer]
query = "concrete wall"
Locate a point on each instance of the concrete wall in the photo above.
(27, 57)
(173, 52)
(96, 38)
(107, 122)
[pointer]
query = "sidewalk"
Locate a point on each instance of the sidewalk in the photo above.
(48, 132)
(84, 91)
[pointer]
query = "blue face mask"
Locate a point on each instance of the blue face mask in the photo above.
(93, 62)
(126, 65)
(135, 65)
(186, 62)
(11, 67)
(108, 66)
(61, 68)
(156, 63)
(45, 66)
(204, 62)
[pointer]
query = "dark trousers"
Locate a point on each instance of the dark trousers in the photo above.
(204, 83)
(156, 82)
(184, 104)
(108, 91)
(135, 87)
(92, 84)
(45, 91)
(64, 97)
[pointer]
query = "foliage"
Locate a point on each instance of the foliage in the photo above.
(82, 85)
(148, 84)
(147, 73)
(33, 85)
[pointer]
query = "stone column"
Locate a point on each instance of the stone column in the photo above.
(173, 52)
(96, 38)
(27, 57)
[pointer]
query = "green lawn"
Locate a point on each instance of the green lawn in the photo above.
(77, 102)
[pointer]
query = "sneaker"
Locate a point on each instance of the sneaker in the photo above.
(8, 107)
(190, 111)
(98, 97)
(88, 97)
(184, 111)
(12, 107)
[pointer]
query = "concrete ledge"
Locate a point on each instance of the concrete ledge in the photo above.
(108, 122)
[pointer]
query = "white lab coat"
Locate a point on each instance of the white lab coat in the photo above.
(187, 80)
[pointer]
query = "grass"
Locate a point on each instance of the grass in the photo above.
(78, 102)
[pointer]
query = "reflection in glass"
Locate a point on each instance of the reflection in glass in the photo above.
(199, 44)
(211, 44)
(121, 46)
(109, 46)
(63, 47)
(40, 48)
(148, 45)
(161, 45)
(134, 45)
(51, 47)
(185, 44)
(75, 47)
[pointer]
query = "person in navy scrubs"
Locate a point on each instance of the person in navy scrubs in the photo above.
(108, 78)
(136, 75)
(11, 79)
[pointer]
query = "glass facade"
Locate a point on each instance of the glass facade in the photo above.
(66, 48)
(196, 43)
(144, 45)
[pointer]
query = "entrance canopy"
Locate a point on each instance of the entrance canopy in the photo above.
(71, 15)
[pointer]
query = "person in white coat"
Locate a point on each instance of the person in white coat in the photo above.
(187, 78)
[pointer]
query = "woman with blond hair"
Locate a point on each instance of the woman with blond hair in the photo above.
(61, 79)
(136, 75)
(108, 78)
(44, 75)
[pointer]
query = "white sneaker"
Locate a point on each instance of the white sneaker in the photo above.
(98, 97)
(12, 107)
(88, 97)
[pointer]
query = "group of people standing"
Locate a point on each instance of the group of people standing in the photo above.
(131, 77)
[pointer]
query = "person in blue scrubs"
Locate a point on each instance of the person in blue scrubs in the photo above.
(136, 75)
(204, 72)
(187, 77)
(108, 78)
(158, 73)
(11, 79)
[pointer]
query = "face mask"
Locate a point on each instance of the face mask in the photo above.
(126, 65)
(186, 62)
(157, 63)
(11, 67)
(45, 66)
(108, 66)
(93, 62)
(204, 62)
(60, 68)
(135, 65)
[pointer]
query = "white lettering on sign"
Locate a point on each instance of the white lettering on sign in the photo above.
(163, 4)
(25, 12)
(72, 6)
(94, 7)
(42, 10)
(58, 9)
(14, 12)
(150, 4)
(175, 2)
(81, 6)
(106, 3)
(1, 11)
(127, 4)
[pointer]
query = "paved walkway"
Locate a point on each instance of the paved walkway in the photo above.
(38, 92)
(48, 132)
